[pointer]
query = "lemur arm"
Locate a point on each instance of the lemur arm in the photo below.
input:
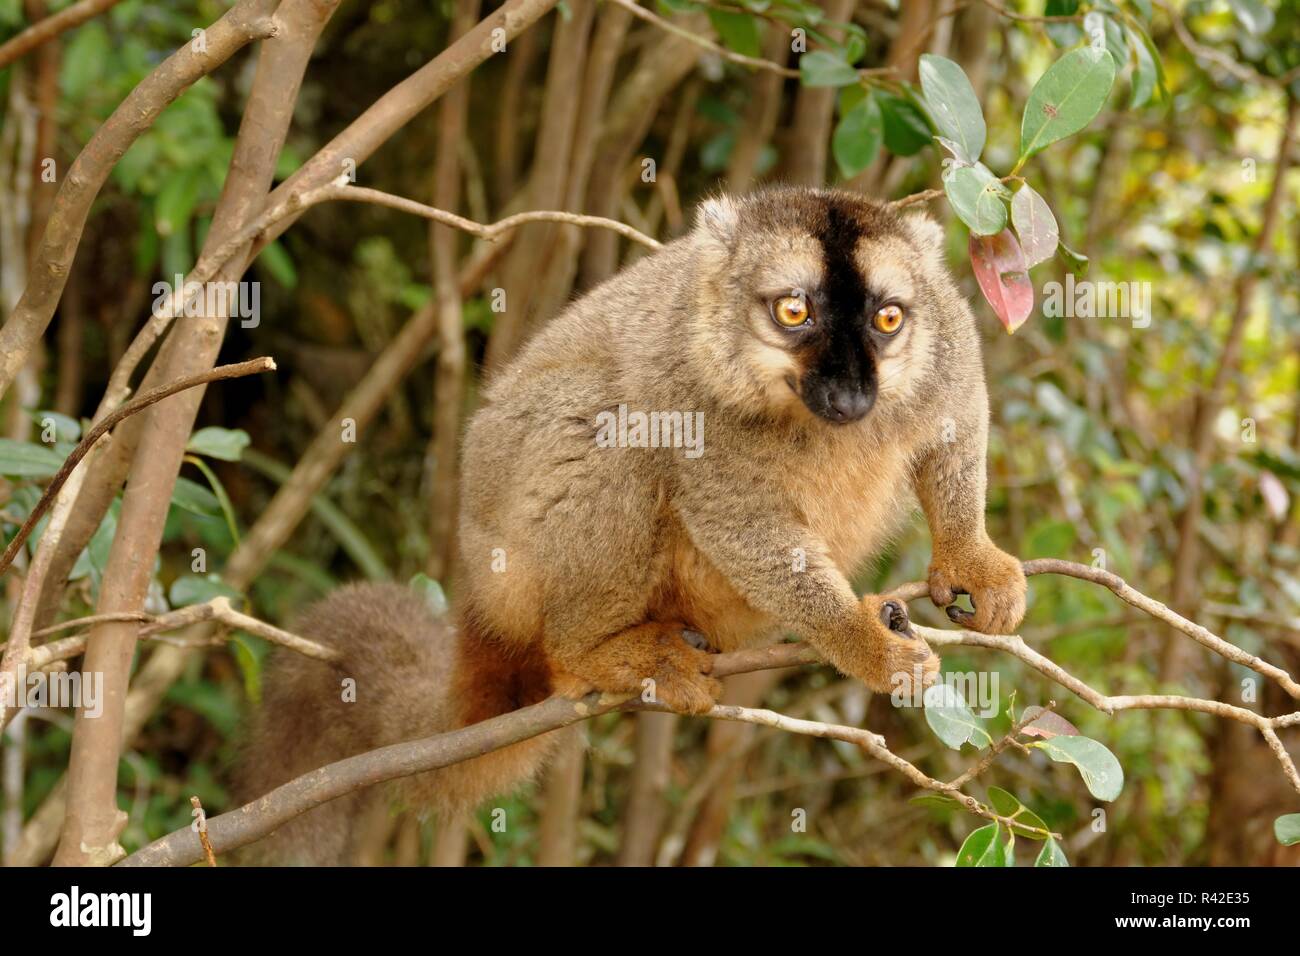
(783, 571)
(949, 476)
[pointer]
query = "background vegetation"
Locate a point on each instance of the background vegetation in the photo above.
(1171, 451)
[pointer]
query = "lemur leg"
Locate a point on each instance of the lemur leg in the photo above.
(949, 478)
(652, 658)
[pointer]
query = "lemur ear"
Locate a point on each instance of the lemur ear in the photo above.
(717, 218)
(926, 235)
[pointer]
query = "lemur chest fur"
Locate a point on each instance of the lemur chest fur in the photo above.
(851, 507)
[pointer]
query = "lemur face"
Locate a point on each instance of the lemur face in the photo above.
(836, 319)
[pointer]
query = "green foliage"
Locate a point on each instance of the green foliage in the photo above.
(822, 68)
(990, 845)
(1097, 765)
(1065, 99)
(951, 720)
(228, 444)
(954, 107)
(1052, 160)
(20, 459)
(858, 137)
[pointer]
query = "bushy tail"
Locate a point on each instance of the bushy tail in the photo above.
(400, 676)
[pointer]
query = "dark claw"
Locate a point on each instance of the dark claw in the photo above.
(959, 615)
(893, 614)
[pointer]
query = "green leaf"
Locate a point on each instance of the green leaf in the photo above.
(175, 202)
(193, 589)
(985, 847)
(940, 800)
(857, 137)
(84, 59)
(66, 429)
(738, 31)
(1145, 73)
(195, 499)
(93, 560)
(23, 459)
(432, 592)
(1008, 805)
(1254, 15)
(1076, 262)
(952, 103)
(1066, 98)
(951, 720)
(349, 536)
(276, 261)
(820, 68)
(1035, 225)
(250, 667)
(218, 489)
(1097, 765)
(228, 444)
(1287, 829)
(1051, 855)
(978, 199)
(1116, 42)
(1062, 33)
(907, 131)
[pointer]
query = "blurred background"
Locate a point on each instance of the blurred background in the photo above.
(1105, 436)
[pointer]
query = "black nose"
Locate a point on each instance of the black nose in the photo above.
(845, 405)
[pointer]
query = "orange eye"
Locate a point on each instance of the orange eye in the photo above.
(888, 320)
(790, 311)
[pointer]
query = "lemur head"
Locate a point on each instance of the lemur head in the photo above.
(819, 302)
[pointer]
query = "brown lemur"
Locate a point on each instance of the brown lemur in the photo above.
(837, 371)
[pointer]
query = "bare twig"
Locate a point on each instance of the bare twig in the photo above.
(492, 231)
(219, 609)
(201, 825)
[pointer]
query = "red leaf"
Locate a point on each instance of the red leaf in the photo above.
(1003, 274)
(1046, 724)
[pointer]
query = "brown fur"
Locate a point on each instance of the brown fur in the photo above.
(415, 676)
(607, 550)
(581, 564)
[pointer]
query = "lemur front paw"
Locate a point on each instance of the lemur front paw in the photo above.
(900, 654)
(681, 677)
(993, 579)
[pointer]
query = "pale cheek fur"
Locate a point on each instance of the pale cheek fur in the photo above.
(771, 367)
(900, 370)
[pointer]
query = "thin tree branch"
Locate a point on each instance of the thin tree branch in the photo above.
(753, 62)
(1210, 55)
(106, 424)
(48, 28)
